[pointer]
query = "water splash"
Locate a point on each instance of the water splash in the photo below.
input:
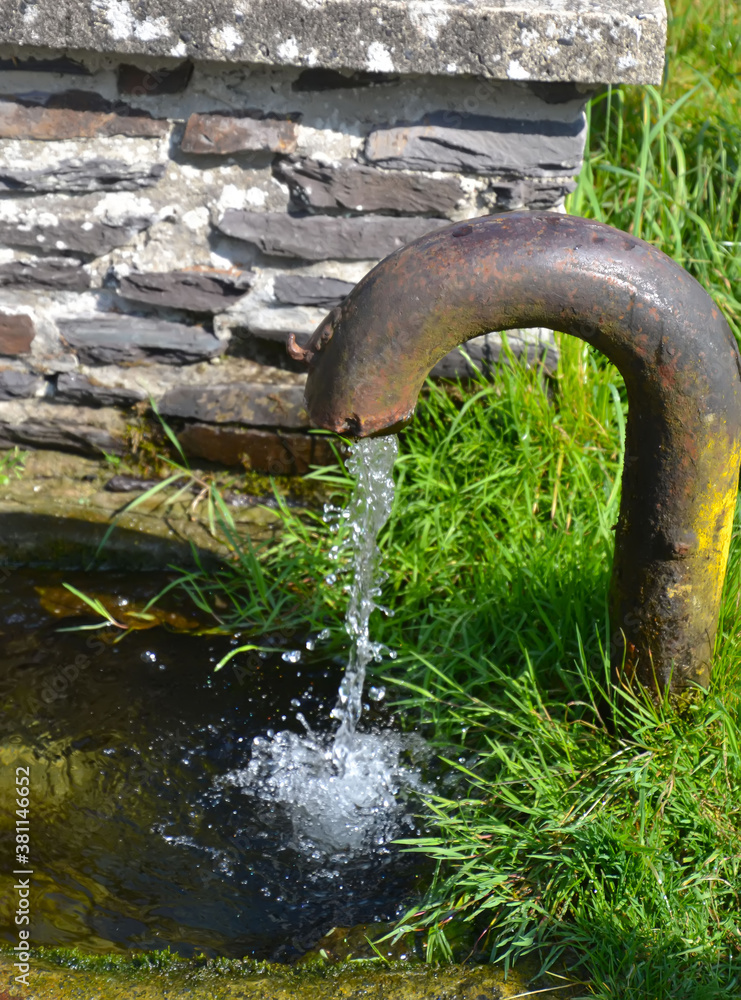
(331, 813)
(372, 464)
(349, 793)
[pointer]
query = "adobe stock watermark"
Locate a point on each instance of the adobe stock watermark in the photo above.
(22, 873)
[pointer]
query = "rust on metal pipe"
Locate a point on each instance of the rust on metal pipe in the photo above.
(368, 360)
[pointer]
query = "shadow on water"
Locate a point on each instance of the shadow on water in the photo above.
(139, 839)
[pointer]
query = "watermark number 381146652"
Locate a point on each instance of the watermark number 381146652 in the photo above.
(23, 872)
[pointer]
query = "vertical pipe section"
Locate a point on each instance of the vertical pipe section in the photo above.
(370, 356)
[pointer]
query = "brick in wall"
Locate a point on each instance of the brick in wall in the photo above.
(51, 120)
(197, 291)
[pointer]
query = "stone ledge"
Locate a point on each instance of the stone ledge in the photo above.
(582, 41)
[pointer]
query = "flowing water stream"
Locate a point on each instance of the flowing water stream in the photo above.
(349, 792)
(372, 464)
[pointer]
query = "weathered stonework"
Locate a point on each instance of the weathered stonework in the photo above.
(35, 423)
(54, 273)
(127, 340)
(181, 188)
(19, 384)
(480, 145)
(534, 194)
(79, 175)
(238, 403)
(306, 290)
(82, 390)
(277, 453)
(51, 120)
(74, 235)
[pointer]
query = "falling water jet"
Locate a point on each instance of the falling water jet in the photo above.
(345, 794)
(372, 463)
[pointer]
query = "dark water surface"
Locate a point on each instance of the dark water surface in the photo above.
(136, 841)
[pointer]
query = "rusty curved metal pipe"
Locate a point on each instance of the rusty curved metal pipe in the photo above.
(369, 358)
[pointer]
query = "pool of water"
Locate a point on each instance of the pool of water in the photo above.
(148, 829)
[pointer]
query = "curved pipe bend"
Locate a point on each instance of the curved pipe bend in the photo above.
(369, 358)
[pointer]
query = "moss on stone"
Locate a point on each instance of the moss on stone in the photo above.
(68, 973)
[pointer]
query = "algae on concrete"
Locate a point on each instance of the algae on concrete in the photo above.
(168, 978)
(58, 512)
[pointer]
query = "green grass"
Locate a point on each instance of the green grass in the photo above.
(664, 163)
(622, 853)
(12, 463)
(567, 839)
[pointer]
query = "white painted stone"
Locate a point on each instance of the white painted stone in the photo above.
(117, 205)
(330, 144)
(232, 197)
(197, 218)
(255, 196)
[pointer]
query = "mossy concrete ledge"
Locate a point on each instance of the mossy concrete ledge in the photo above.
(62, 509)
(159, 976)
(590, 41)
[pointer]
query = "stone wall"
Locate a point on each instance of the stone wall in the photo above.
(166, 222)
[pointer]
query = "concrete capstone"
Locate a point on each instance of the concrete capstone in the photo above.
(610, 41)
